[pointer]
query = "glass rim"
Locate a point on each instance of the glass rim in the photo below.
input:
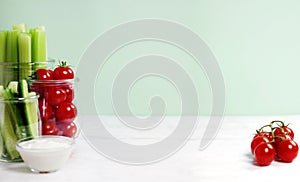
(20, 99)
(69, 141)
(49, 60)
(52, 81)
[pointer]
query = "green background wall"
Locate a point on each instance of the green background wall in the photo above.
(256, 43)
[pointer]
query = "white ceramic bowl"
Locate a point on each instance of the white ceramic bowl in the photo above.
(45, 154)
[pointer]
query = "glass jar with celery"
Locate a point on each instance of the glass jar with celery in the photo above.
(21, 53)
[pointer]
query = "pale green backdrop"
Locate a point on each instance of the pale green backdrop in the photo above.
(256, 43)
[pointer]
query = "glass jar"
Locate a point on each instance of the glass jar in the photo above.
(57, 109)
(19, 118)
(13, 71)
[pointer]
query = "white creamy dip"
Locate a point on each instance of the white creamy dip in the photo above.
(46, 153)
(45, 143)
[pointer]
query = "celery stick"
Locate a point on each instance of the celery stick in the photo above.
(12, 46)
(2, 55)
(24, 43)
(2, 45)
(39, 49)
(30, 110)
(21, 27)
(8, 133)
(8, 126)
(2, 146)
(2, 91)
(2, 112)
(41, 28)
(12, 55)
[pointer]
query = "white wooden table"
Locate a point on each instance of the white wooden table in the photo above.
(227, 158)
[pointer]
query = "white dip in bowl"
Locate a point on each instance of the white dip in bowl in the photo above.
(45, 154)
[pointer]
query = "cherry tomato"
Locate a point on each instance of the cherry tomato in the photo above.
(68, 129)
(287, 150)
(63, 72)
(70, 94)
(66, 112)
(285, 130)
(49, 128)
(44, 74)
(257, 140)
(264, 154)
(264, 133)
(46, 111)
(280, 137)
(51, 72)
(55, 96)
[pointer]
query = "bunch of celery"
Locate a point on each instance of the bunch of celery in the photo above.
(18, 119)
(23, 47)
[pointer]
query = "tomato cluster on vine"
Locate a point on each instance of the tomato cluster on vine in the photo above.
(57, 111)
(274, 141)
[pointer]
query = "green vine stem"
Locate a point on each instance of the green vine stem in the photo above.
(262, 128)
(280, 125)
(278, 121)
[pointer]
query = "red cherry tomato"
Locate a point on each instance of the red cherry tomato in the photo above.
(46, 111)
(284, 130)
(264, 133)
(257, 140)
(55, 96)
(63, 72)
(264, 154)
(70, 94)
(49, 128)
(51, 72)
(287, 150)
(280, 137)
(66, 112)
(44, 74)
(68, 129)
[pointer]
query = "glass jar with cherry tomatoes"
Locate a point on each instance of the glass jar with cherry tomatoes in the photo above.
(56, 102)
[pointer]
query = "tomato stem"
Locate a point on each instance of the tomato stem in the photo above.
(281, 138)
(269, 125)
(273, 137)
(278, 121)
(63, 63)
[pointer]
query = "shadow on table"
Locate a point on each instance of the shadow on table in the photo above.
(249, 156)
(17, 167)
